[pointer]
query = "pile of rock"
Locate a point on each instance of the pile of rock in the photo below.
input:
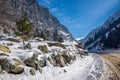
(10, 67)
(35, 63)
(61, 60)
(16, 66)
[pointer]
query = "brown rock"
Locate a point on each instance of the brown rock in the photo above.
(43, 48)
(4, 49)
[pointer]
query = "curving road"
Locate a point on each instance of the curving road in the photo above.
(113, 61)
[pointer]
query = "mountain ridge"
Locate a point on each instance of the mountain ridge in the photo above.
(43, 20)
(93, 40)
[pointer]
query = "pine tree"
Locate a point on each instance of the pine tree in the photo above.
(43, 35)
(55, 35)
(24, 28)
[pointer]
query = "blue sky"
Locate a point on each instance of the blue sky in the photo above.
(81, 16)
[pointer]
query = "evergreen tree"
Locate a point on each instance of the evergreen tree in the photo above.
(43, 35)
(24, 28)
(55, 35)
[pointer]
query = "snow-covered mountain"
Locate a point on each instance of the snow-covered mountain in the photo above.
(43, 20)
(107, 33)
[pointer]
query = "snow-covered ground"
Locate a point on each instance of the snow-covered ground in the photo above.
(80, 69)
(87, 68)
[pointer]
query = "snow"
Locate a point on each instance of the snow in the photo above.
(107, 34)
(79, 69)
(65, 34)
(79, 39)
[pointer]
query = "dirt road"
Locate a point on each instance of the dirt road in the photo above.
(113, 61)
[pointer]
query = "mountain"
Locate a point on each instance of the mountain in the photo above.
(43, 20)
(106, 36)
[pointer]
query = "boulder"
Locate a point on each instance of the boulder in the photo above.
(0, 69)
(30, 62)
(9, 67)
(28, 46)
(18, 62)
(4, 48)
(16, 69)
(35, 57)
(32, 71)
(40, 69)
(56, 44)
(52, 60)
(41, 63)
(43, 48)
(5, 64)
(60, 60)
(9, 44)
(67, 59)
(34, 62)
(13, 40)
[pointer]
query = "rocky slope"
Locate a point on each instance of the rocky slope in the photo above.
(106, 36)
(43, 20)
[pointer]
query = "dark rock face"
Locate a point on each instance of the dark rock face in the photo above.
(12, 10)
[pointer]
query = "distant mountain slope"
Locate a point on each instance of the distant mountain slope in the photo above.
(12, 10)
(105, 36)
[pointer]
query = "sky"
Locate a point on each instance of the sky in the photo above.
(81, 16)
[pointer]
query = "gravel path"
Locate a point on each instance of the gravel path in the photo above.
(113, 62)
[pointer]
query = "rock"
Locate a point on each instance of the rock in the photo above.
(9, 44)
(32, 71)
(28, 46)
(13, 40)
(35, 56)
(59, 59)
(0, 69)
(16, 69)
(52, 60)
(56, 44)
(4, 49)
(43, 48)
(5, 64)
(30, 62)
(34, 62)
(40, 69)
(18, 62)
(67, 59)
(41, 63)
(10, 68)
(65, 71)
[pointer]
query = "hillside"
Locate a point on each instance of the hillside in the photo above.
(106, 36)
(43, 20)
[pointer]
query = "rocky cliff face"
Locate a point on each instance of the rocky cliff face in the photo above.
(106, 36)
(12, 10)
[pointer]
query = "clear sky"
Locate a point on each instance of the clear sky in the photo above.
(81, 16)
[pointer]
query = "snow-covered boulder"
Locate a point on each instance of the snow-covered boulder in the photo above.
(32, 71)
(28, 46)
(35, 62)
(60, 60)
(14, 40)
(4, 49)
(43, 48)
(11, 66)
(52, 60)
